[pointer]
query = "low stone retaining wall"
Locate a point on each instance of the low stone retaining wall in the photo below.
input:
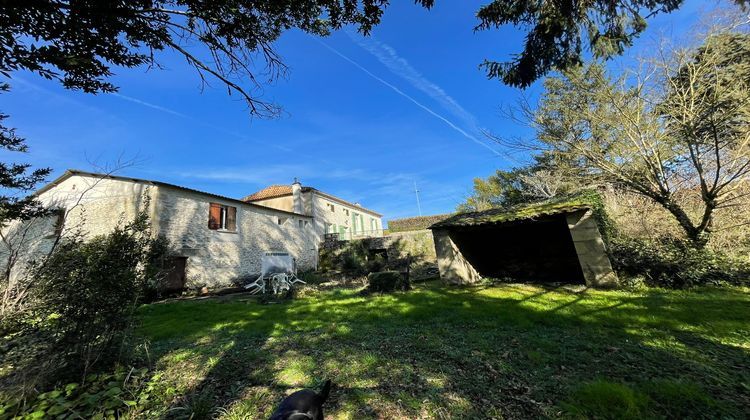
(394, 248)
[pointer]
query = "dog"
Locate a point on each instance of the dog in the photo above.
(305, 404)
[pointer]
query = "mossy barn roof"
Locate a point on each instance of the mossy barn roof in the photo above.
(531, 211)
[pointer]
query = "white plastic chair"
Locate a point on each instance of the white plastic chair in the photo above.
(278, 268)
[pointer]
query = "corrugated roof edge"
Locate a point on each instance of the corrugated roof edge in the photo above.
(71, 172)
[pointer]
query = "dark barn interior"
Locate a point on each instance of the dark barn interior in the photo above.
(539, 250)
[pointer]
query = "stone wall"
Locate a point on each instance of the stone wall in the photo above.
(415, 223)
(93, 206)
(96, 206)
(219, 258)
(453, 266)
(591, 250)
(419, 244)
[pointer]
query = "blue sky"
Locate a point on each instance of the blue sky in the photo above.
(364, 118)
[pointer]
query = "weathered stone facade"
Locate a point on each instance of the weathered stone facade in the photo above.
(218, 257)
(330, 214)
(592, 253)
(418, 244)
(95, 204)
(454, 267)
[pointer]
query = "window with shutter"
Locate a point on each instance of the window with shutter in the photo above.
(222, 217)
(214, 216)
(231, 219)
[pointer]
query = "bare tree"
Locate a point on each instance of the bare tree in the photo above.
(22, 241)
(679, 124)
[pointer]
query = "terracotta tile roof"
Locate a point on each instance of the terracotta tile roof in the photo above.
(274, 191)
(269, 192)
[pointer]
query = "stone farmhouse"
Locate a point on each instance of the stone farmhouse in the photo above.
(216, 240)
(331, 215)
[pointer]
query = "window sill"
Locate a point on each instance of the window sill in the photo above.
(225, 231)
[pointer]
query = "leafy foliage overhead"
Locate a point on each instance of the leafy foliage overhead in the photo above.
(677, 127)
(79, 41)
(559, 32)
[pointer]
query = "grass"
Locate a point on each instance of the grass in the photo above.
(509, 351)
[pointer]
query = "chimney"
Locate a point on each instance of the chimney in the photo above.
(297, 196)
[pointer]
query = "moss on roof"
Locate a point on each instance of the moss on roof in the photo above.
(557, 205)
(416, 223)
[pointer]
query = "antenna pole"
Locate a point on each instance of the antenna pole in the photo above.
(416, 192)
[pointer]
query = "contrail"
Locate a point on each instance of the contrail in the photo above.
(414, 101)
(197, 121)
(150, 105)
(399, 66)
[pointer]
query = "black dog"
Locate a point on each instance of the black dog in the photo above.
(303, 405)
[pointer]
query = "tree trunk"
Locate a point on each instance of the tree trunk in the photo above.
(698, 235)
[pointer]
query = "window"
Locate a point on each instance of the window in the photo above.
(59, 215)
(221, 217)
(281, 220)
(301, 223)
(346, 211)
(330, 206)
(373, 225)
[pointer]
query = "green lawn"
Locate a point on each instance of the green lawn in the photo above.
(509, 351)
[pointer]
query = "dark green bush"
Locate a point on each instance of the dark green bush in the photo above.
(675, 263)
(353, 262)
(311, 277)
(87, 291)
(352, 258)
(387, 281)
(102, 396)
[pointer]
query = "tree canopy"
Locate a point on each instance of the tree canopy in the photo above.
(678, 127)
(231, 41)
(542, 179)
(80, 42)
(558, 33)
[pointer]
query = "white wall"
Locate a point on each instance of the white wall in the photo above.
(215, 258)
(342, 216)
(94, 206)
(218, 258)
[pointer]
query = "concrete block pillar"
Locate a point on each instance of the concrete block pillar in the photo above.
(592, 254)
(454, 268)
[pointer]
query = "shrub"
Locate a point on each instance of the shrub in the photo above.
(674, 263)
(311, 277)
(87, 292)
(351, 258)
(387, 281)
(102, 396)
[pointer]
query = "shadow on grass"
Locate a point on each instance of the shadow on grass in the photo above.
(508, 351)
